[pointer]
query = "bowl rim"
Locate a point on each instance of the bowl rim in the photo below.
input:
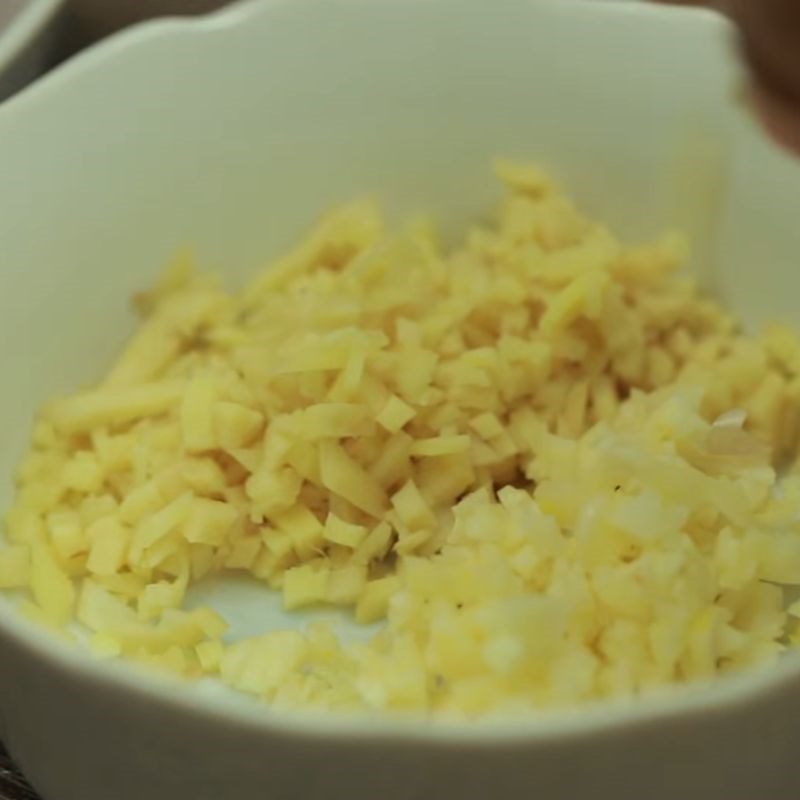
(682, 702)
(32, 18)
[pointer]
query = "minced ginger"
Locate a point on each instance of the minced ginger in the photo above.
(542, 461)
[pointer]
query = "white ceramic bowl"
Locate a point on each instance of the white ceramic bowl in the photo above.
(230, 134)
(26, 37)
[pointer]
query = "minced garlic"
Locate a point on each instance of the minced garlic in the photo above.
(543, 460)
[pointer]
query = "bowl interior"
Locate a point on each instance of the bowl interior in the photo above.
(230, 137)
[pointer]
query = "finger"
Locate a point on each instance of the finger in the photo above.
(770, 38)
(770, 32)
(780, 119)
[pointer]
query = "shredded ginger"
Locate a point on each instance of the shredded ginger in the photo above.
(542, 462)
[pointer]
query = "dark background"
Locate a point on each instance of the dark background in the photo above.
(12, 784)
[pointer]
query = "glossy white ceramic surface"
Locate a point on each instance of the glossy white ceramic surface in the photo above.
(229, 134)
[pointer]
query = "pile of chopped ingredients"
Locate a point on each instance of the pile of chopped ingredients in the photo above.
(543, 460)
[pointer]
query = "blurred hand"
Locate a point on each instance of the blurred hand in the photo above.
(770, 39)
(770, 33)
